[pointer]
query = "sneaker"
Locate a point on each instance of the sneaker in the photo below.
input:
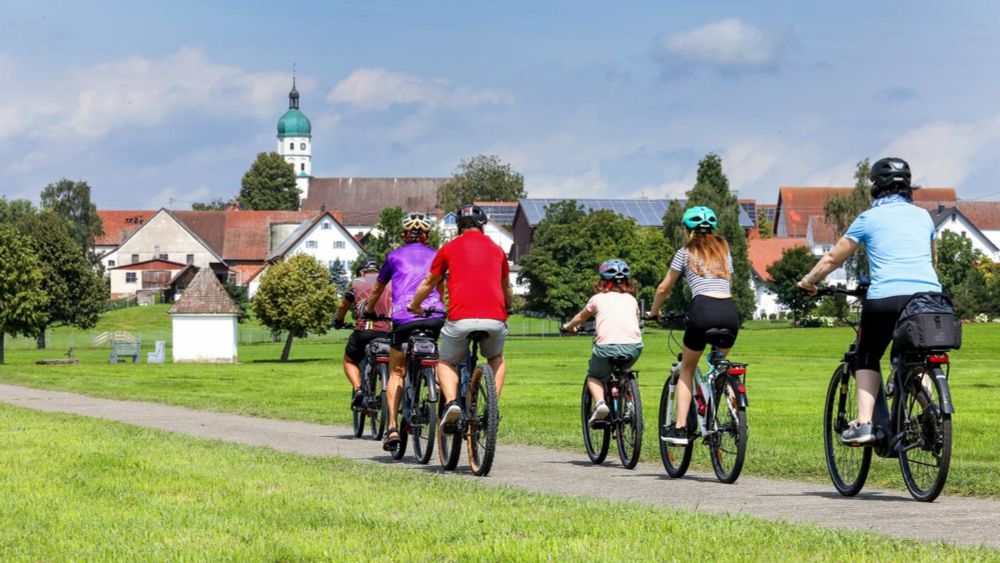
(676, 436)
(449, 418)
(858, 434)
(601, 411)
(357, 398)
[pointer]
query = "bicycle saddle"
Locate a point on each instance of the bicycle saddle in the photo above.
(478, 335)
(720, 337)
(619, 360)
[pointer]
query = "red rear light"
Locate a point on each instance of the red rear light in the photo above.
(737, 371)
(742, 389)
(938, 359)
(428, 363)
(382, 360)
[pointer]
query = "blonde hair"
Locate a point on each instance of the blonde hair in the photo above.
(708, 254)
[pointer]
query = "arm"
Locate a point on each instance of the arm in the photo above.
(341, 312)
(430, 282)
(508, 293)
(663, 290)
(934, 253)
(576, 321)
(374, 297)
(831, 261)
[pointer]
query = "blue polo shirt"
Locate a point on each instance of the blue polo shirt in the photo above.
(898, 237)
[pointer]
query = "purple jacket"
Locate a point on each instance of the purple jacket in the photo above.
(406, 267)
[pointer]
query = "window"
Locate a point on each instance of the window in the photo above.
(827, 248)
(190, 258)
(302, 167)
(135, 258)
(111, 263)
(338, 244)
(291, 146)
(326, 225)
(311, 244)
(130, 277)
(302, 146)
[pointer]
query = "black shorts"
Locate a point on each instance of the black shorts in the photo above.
(878, 321)
(708, 313)
(358, 342)
(401, 333)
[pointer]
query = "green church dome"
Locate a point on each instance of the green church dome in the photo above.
(294, 124)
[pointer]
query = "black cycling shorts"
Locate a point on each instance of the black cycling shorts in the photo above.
(708, 313)
(878, 321)
(358, 342)
(401, 333)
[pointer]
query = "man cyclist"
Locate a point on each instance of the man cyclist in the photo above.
(479, 296)
(899, 239)
(404, 268)
(365, 330)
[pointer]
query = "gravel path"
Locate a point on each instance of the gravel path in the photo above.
(955, 520)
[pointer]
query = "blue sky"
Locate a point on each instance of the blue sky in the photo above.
(173, 100)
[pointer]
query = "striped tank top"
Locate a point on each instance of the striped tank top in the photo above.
(700, 285)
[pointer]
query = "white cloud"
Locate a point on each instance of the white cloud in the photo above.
(379, 89)
(590, 184)
(175, 198)
(945, 153)
(729, 44)
(746, 163)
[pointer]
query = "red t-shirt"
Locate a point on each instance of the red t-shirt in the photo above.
(474, 265)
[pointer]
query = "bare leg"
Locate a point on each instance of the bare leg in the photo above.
(353, 373)
(499, 372)
(393, 391)
(596, 388)
(869, 381)
(447, 379)
(689, 362)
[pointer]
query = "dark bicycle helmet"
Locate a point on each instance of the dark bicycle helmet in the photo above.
(470, 216)
(368, 266)
(889, 176)
(614, 270)
(700, 217)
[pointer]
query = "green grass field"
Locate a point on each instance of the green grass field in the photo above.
(787, 380)
(84, 489)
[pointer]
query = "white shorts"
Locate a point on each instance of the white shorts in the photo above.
(453, 344)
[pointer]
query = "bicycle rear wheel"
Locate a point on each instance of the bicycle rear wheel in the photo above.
(848, 465)
(376, 398)
(676, 458)
(925, 437)
(449, 445)
(629, 435)
(728, 445)
(481, 433)
(596, 440)
(423, 420)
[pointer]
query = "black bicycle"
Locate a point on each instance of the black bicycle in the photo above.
(480, 418)
(624, 419)
(374, 378)
(915, 428)
(418, 406)
(718, 408)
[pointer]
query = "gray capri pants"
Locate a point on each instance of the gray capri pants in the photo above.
(453, 343)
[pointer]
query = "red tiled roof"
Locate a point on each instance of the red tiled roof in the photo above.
(985, 215)
(247, 271)
(120, 224)
(363, 199)
(156, 264)
(797, 204)
(764, 252)
(236, 234)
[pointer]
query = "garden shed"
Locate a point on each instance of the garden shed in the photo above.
(204, 321)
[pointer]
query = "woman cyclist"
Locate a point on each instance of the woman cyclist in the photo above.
(706, 263)
(617, 331)
(899, 240)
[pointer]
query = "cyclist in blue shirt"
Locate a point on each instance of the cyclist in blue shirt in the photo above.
(899, 239)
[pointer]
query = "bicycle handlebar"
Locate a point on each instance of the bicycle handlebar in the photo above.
(859, 291)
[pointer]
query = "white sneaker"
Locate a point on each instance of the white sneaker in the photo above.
(601, 411)
(448, 419)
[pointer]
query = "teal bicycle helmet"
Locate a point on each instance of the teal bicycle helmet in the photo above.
(700, 217)
(614, 270)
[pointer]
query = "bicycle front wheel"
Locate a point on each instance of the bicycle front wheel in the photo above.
(629, 435)
(848, 465)
(481, 433)
(595, 440)
(925, 436)
(375, 411)
(676, 458)
(728, 445)
(423, 421)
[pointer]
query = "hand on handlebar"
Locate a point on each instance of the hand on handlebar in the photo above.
(416, 309)
(567, 329)
(807, 288)
(651, 316)
(338, 324)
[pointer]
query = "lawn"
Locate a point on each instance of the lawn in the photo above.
(84, 489)
(787, 380)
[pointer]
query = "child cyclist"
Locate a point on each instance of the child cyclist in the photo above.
(706, 263)
(617, 332)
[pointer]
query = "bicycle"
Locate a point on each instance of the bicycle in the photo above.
(921, 441)
(624, 418)
(723, 430)
(480, 418)
(418, 405)
(374, 378)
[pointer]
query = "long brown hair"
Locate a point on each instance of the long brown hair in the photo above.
(625, 286)
(708, 254)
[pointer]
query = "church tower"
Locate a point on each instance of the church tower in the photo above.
(295, 141)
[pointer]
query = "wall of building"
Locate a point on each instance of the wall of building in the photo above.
(327, 244)
(164, 233)
(120, 287)
(960, 227)
(204, 338)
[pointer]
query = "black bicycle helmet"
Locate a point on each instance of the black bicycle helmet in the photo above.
(470, 216)
(890, 176)
(368, 266)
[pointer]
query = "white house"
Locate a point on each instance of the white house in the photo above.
(498, 234)
(762, 254)
(951, 219)
(204, 322)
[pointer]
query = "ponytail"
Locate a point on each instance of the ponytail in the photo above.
(708, 255)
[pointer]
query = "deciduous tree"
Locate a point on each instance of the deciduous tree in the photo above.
(840, 211)
(296, 296)
(216, 204)
(269, 184)
(481, 178)
(785, 273)
(14, 209)
(71, 201)
(676, 237)
(23, 302)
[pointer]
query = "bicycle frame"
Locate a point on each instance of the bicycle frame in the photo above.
(421, 352)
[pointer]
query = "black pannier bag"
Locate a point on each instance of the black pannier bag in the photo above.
(928, 322)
